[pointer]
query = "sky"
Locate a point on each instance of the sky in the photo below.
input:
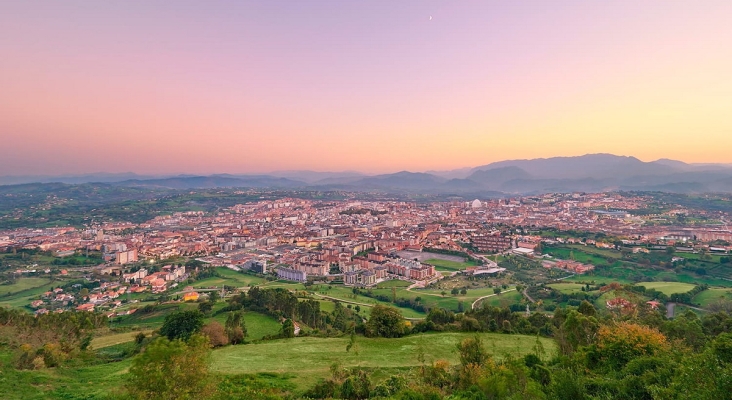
(160, 87)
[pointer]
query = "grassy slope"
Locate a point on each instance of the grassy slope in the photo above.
(566, 287)
(667, 288)
(309, 359)
(712, 295)
(25, 284)
(230, 278)
(93, 382)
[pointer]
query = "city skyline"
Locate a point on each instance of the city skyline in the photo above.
(229, 87)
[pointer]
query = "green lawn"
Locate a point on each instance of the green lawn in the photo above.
(393, 283)
(309, 358)
(667, 288)
(445, 265)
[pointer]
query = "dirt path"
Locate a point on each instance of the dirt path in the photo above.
(473, 306)
(527, 296)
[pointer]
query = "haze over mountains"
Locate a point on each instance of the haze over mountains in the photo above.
(590, 173)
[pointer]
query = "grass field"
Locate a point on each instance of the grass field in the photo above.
(309, 359)
(595, 279)
(582, 254)
(667, 288)
(115, 339)
(393, 283)
(23, 299)
(567, 287)
(25, 283)
(445, 265)
(258, 325)
(712, 295)
(504, 299)
(229, 277)
(102, 381)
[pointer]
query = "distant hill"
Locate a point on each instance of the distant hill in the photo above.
(588, 173)
(214, 181)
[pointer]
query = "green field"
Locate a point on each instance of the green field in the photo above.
(594, 279)
(393, 283)
(23, 299)
(258, 325)
(445, 265)
(25, 283)
(116, 338)
(709, 296)
(567, 287)
(504, 299)
(309, 359)
(583, 254)
(103, 381)
(667, 288)
(229, 277)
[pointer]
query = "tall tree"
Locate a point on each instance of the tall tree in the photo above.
(182, 324)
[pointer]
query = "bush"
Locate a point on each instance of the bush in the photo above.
(216, 334)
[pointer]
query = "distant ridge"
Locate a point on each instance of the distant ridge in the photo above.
(588, 173)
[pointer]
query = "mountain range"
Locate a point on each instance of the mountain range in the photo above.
(588, 173)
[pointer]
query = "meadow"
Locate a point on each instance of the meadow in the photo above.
(567, 287)
(709, 296)
(667, 288)
(229, 277)
(25, 283)
(309, 359)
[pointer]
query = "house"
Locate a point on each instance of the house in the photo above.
(85, 307)
(191, 296)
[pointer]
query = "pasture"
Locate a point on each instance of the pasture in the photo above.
(310, 359)
(667, 288)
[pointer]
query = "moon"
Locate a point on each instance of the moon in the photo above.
(430, 18)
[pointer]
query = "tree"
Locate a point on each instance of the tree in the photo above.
(620, 343)
(172, 370)
(182, 324)
(236, 329)
(288, 329)
(454, 291)
(587, 309)
(83, 292)
(472, 352)
(205, 307)
(385, 322)
(216, 334)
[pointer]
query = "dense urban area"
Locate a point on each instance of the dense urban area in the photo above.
(576, 295)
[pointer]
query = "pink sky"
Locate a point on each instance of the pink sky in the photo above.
(238, 87)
